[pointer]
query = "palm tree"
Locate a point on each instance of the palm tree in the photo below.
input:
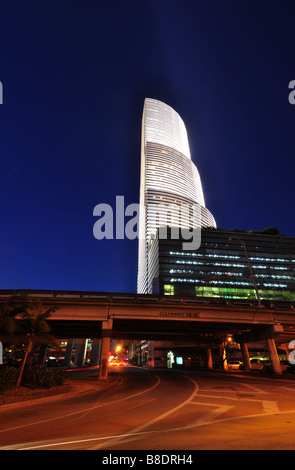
(34, 321)
(9, 323)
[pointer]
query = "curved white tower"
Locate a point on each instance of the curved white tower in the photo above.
(168, 177)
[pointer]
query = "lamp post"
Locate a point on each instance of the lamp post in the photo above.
(250, 267)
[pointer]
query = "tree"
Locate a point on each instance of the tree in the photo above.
(10, 309)
(34, 322)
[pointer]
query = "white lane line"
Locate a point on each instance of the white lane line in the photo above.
(288, 388)
(203, 403)
(214, 390)
(157, 419)
(201, 395)
(270, 406)
(85, 411)
(211, 415)
(62, 443)
(255, 389)
(138, 434)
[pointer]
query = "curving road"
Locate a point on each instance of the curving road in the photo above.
(160, 410)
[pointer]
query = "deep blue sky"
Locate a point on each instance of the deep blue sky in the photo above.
(75, 75)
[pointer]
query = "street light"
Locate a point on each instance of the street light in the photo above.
(250, 267)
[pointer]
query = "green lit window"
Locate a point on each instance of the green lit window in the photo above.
(168, 289)
(235, 293)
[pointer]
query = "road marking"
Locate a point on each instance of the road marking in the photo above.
(158, 418)
(83, 412)
(211, 415)
(77, 441)
(201, 395)
(139, 434)
(270, 406)
(213, 390)
(255, 389)
(142, 403)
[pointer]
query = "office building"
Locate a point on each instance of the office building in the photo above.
(228, 264)
(168, 178)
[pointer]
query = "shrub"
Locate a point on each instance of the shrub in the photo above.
(8, 378)
(37, 377)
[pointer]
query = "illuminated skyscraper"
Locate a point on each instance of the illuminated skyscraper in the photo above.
(168, 178)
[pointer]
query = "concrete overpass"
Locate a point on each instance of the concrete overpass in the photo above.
(200, 321)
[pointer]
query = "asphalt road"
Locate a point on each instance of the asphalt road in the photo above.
(160, 410)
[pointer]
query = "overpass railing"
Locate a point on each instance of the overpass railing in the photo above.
(108, 297)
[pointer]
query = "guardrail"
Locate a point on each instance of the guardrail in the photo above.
(108, 297)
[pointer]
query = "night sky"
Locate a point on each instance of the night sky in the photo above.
(75, 75)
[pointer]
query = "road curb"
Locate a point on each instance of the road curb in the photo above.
(100, 385)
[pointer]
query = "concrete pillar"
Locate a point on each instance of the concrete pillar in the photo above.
(81, 345)
(273, 354)
(209, 359)
(246, 357)
(107, 327)
(224, 359)
(95, 352)
(69, 351)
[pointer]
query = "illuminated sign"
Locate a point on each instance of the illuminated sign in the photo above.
(179, 314)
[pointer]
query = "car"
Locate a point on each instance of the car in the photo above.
(234, 365)
(117, 363)
(256, 364)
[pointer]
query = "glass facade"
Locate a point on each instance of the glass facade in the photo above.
(220, 267)
(168, 179)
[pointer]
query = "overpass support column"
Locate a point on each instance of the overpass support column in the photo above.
(81, 345)
(69, 352)
(273, 354)
(107, 327)
(95, 352)
(246, 358)
(209, 359)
